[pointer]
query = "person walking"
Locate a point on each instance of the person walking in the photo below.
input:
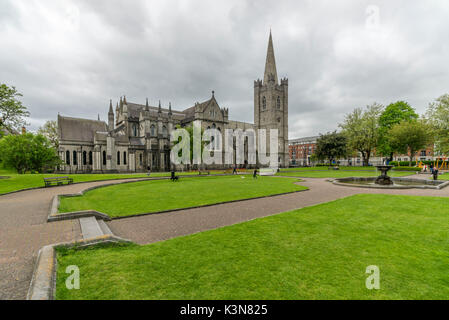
(148, 170)
(234, 171)
(255, 174)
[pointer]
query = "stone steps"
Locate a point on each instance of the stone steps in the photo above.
(104, 227)
(93, 228)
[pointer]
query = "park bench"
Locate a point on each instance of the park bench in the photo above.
(267, 172)
(57, 181)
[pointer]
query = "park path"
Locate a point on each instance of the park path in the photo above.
(158, 227)
(24, 230)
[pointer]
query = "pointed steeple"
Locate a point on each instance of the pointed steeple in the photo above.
(124, 100)
(146, 104)
(160, 108)
(169, 109)
(110, 117)
(270, 64)
(110, 107)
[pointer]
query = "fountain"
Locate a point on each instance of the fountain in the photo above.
(386, 182)
(384, 179)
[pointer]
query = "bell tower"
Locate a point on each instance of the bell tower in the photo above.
(271, 104)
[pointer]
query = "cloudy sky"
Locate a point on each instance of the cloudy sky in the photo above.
(71, 57)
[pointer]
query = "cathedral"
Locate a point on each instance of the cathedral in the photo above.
(137, 136)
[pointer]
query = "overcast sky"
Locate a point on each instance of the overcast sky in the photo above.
(71, 57)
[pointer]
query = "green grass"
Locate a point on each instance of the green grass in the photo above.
(444, 176)
(319, 252)
(160, 195)
(17, 182)
(339, 173)
(325, 168)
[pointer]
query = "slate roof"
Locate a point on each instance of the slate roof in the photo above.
(134, 111)
(190, 112)
(76, 129)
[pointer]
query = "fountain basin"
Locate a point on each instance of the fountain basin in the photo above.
(397, 183)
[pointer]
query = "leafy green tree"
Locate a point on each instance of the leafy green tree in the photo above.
(393, 114)
(437, 116)
(331, 146)
(12, 112)
(361, 128)
(50, 131)
(408, 137)
(28, 152)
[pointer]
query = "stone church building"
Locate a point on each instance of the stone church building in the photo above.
(138, 135)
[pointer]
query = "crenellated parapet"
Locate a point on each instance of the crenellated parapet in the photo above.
(257, 83)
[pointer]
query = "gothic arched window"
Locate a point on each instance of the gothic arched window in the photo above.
(124, 157)
(104, 158)
(140, 159)
(84, 158)
(134, 130)
(264, 103)
(75, 160)
(153, 130)
(278, 103)
(90, 158)
(118, 157)
(164, 131)
(67, 157)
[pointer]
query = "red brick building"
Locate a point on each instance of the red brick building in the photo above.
(300, 150)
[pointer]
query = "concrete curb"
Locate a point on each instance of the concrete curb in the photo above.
(43, 282)
(55, 216)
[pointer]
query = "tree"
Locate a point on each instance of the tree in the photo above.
(437, 116)
(50, 131)
(361, 128)
(12, 112)
(408, 137)
(28, 152)
(393, 114)
(331, 146)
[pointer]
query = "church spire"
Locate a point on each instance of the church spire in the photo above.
(270, 64)
(110, 107)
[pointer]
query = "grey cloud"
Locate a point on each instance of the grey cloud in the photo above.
(73, 56)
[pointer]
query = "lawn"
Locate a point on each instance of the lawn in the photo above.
(444, 176)
(319, 252)
(159, 195)
(17, 182)
(339, 173)
(325, 168)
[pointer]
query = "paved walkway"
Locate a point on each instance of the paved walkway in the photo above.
(153, 228)
(23, 227)
(24, 230)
